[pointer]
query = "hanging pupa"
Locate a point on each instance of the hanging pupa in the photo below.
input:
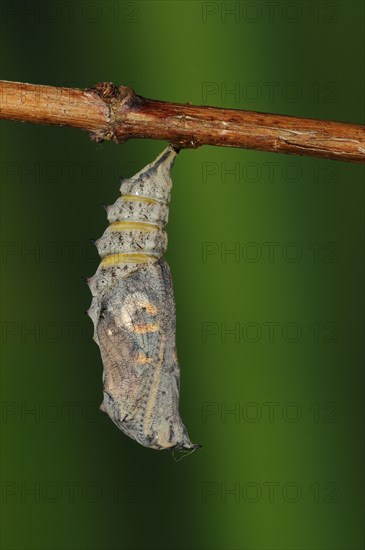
(133, 311)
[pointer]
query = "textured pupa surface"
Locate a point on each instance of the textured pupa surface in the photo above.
(133, 311)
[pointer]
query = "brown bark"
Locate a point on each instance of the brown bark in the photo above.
(117, 113)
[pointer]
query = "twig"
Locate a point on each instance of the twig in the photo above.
(110, 112)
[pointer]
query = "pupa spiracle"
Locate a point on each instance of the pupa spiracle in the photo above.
(133, 311)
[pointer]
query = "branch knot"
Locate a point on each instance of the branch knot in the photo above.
(117, 99)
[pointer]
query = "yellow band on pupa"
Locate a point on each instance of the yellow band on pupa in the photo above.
(114, 259)
(138, 198)
(141, 226)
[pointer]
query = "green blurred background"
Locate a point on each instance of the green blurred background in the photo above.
(269, 336)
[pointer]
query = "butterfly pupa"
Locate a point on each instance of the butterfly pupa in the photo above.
(133, 311)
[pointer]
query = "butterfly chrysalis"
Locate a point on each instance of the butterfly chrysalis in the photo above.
(133, 311)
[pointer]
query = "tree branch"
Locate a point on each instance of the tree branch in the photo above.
(110, 112)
